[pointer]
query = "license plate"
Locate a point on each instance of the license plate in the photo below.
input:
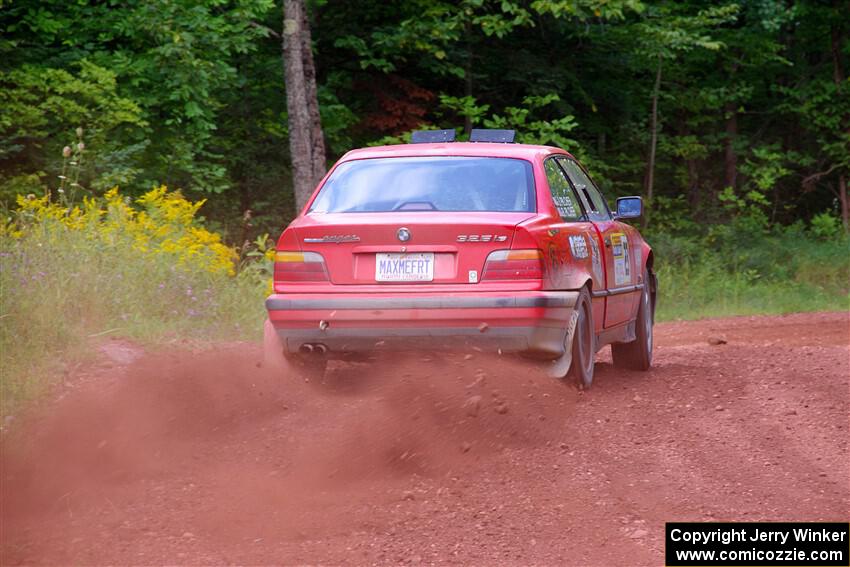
(417, 267)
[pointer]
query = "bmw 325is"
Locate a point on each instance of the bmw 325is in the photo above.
(441, 244)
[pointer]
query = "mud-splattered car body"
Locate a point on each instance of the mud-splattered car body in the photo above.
(526, 237)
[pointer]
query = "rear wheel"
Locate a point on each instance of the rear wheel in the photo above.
(637, 355)
(584, 339)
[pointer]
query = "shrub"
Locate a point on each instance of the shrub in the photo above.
(826, 226)
(148, 270)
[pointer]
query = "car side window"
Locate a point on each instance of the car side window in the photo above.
(562, 193)
(597, 209)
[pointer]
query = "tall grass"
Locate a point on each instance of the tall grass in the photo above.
(784, 272)
(146, 271)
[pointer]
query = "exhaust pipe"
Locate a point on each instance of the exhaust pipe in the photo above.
(306, 348)
(313, 348)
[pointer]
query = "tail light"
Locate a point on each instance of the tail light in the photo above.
(514, 265)
(299, 267)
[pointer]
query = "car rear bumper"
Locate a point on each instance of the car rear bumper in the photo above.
(527, 321)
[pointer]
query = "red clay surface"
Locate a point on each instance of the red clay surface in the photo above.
(204, 458)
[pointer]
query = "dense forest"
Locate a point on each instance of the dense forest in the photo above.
(713, 111)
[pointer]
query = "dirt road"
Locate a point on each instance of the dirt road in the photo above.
(207, 459)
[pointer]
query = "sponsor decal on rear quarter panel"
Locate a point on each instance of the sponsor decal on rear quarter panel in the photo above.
(622, 261)
(596, 260)
(639, 261)
(578, 246)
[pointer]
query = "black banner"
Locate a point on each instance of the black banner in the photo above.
(761, 544)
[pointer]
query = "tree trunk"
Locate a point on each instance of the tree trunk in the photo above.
(467, 120)
(730, 177)
(730, 158)
(838, 77)
(650, 169)
(837, 68)
(694, 196)
(692, 166)
(305, 131)
(317, 138)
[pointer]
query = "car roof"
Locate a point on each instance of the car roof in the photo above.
(470, 149)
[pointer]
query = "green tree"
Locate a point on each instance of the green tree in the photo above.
(663, 36)
(174, 59)
(40, 110)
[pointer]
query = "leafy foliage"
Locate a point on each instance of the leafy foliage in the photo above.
(752, 105)
(40, 109)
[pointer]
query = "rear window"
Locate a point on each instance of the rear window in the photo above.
(428, 184)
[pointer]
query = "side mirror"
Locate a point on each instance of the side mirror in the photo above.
(629, 207)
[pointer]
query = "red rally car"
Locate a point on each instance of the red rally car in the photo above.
(435, 244)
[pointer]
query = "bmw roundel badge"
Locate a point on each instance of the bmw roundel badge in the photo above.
(403, 234)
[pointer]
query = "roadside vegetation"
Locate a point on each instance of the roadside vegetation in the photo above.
(148, 270)
(111, 266)
(782, 272)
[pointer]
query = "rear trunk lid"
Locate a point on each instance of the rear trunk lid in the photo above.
(410, 248)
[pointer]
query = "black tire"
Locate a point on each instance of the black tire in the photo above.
(637, 355)
(584, 342)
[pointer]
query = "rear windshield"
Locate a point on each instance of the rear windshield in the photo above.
(428, 184)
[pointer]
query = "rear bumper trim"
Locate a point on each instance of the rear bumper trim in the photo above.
(545, 342)
(538, 299)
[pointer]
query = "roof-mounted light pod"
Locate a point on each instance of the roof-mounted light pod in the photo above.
(496, 136)
(432, 136)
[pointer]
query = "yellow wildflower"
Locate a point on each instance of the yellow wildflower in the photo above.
(165, 227)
